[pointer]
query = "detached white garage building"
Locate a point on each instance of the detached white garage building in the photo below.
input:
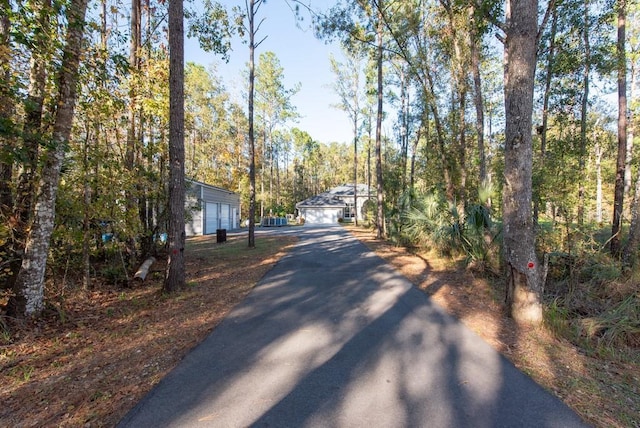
(337, 203)
(210, 208)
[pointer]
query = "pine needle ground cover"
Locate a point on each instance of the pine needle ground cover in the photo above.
(95, 354)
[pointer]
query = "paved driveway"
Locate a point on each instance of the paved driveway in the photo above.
(333, 336)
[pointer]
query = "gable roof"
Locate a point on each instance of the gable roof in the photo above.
(347, 190)
(334, 197)
(322, 200)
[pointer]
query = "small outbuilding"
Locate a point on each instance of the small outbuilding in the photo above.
(331, 206)
(210, 208)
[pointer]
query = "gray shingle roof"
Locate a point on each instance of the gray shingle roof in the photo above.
(347, 190)
(333, 198)
(322, 200)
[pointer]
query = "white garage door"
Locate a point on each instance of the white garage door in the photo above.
(321, 215)
(211, 218)
(225, 211)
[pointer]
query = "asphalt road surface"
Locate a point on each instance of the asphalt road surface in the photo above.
(333, 336)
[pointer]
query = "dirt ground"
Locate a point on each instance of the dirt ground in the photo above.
(95, 354)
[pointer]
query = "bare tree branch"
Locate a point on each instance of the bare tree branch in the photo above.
(547, 14)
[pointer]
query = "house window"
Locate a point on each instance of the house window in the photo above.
(349, 211)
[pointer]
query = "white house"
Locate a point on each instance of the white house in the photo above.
(210, 208)
(335, 204)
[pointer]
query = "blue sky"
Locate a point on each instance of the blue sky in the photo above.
(304, 58)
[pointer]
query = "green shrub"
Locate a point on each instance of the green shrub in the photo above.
(600, 269)
(620, 325)
(114, 275)
(369, 211)
(435, 222)
(557, 318)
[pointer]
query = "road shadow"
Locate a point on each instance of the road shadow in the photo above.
(333, 336)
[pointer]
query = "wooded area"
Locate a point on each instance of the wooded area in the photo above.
(505, 147)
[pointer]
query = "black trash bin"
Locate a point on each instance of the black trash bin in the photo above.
(221, 235)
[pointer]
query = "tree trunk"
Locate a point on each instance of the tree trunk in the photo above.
(132, 196)
(630, 251)
(547, 85)
(86, 211)
(627, 170)
(278, 182)
(29, 286)
(369, 168)
(263, 162)
(462, 141)
(459, 90)
(6, 113)
(32, 129)
(252, 146)
(7, 141)
(175, 278)
(442, 152)
(404, 129)
(475, 46)
(355, 165)
(545, 103)
(524, 287)
(631, 248)
(134, 62)
(618, 201)
(598, 162)
(271, 164)
(103, 25)
(380, 230)
(412, 170)
(583, 114)
(31, 136)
